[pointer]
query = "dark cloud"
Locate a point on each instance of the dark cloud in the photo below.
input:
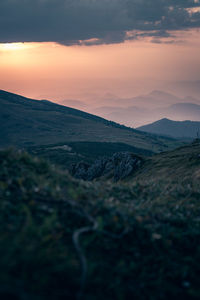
(93, 21)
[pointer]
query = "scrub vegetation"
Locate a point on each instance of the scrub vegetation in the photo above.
(62, 238)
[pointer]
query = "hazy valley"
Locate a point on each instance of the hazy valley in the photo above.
(144, 109)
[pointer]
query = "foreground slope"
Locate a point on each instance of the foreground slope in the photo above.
(65, 239)
(26, 122)
(180, 164)
(176, 129)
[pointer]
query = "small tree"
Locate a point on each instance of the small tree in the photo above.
(197, 139)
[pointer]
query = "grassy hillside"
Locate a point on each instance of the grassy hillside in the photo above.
(176, 129)
(66, 239)
(66, 154)
(26, 122)
(182, 162)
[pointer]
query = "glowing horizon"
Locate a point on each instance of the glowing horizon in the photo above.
(57, 72)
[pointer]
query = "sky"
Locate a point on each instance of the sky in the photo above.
(95, 50)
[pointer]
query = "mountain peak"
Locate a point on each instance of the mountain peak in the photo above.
(176, 129)
(164, 120)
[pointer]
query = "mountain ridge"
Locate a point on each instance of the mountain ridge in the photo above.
(33, 122)
(176, 129)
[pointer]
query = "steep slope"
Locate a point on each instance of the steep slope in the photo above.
(176, 129)
(26, 122)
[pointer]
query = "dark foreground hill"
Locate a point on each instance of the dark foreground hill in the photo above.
(62, 238)
(176, 129)
(64, 155)
(26, 122)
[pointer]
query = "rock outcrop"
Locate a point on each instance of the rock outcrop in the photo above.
(119, 166)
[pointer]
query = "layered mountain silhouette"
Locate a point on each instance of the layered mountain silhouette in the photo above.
(27, 122)
(148, 108)
(176, 129)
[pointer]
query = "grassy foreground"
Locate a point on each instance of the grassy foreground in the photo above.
(66, 239)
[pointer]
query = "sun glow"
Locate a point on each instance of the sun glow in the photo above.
(14, 46)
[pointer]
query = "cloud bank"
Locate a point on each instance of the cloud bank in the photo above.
(89, 22)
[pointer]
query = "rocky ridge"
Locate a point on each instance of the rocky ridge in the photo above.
(118, 166)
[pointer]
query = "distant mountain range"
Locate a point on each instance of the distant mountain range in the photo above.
(146, 109)
(151, 100)
(176, 129)
(141, 110)
(184, 88)
(26, 122)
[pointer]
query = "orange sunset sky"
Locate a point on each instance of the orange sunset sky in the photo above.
(44, 68)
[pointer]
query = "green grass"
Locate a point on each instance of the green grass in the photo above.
(138, 239)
